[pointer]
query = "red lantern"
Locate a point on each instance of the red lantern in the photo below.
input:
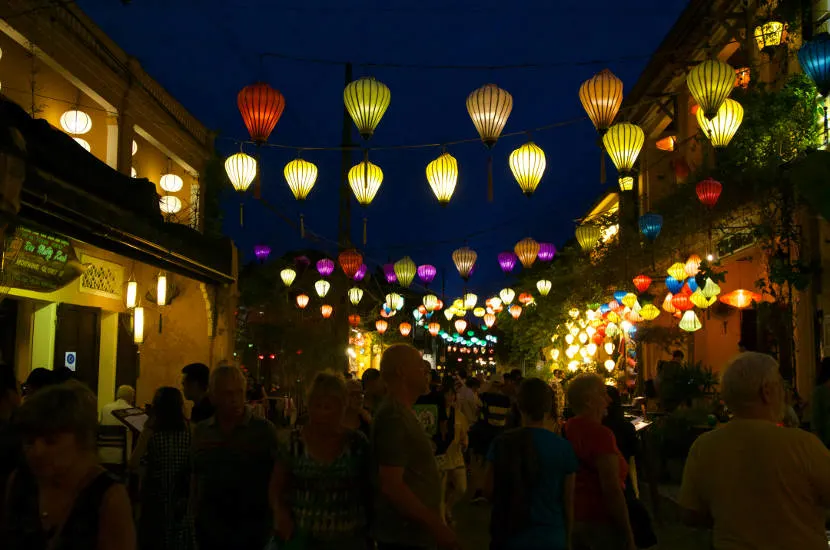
(261, 107)
(525, 298)
(354, 320)
(708, 191)
(422, 309)
(326, 311)
(350, 261)
(440, 305)
(381, 325)
(642, 282)
(681, 302)
(434, 328)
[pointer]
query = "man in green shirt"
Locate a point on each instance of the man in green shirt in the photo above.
(409, 501)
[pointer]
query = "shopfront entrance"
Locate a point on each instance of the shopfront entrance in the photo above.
(78, 342)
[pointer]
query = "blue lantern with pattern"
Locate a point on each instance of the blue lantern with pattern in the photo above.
(673, 285)
(692, 283)
(814, 57)
(650, 225)
(619, 295)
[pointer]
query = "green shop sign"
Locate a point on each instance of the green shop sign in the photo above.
(38, 261)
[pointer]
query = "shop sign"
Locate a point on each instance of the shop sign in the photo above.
(38, 261)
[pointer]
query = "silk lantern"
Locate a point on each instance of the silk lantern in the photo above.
(624, 141)
(650, 225)
(543, 286)
(722, 127)
(740, 298)
(434, 328)
(427, 273)
(489, 320)
(489, 108)
(405, 271)
(528, 165)
(642, 282)
(288, 275)
(708, 192)
(689, 322)
(464, 259)
(507, 295)
(322, 287)
(355, 295)
(526, 250)
(366, 100)
(515, 311)
(354, 320)
(601, 97)
(302, 300)
(710, 83)
(381, 326)
(460, 325)
(587, 235)
(442, 175)
(405, 329)
(507, 261)
(430, 302)
(241, 171)
(301, 175)
(350, 261)
(814, 58)
(261, 107)
(546, 252)
(326, 311)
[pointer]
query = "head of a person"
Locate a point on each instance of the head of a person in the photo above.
(751, 386)
(516, 375)
(615, 409)
(63, 374)
(372, 384)
(678, 356)
(58, 425)
(559, 374)
(823, 372)
(462, 374)
(402, 369)
(474, 384)
(195, 381)
(508, 384)
(327, 399)
(168, 410)
(38, 379)
(355, 391)
(448, 391)
(227, 391)
(125, 393)
(9, 392)
(535, 399)
(587, 396)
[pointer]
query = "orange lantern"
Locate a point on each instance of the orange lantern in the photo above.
(326, 311)
(460, 325)
(515, 310)
(261, 107)
(642, 282)
(381, 326)
(692, 266)
(302, 300)
(489, 320)
(525, 298)
(527, 250)
(405, 329)
(740, 298)
(682, 302)
(434, 328)
(742, 77)
(354, 320)
(667, 143)
(668, 307)
(350, 261)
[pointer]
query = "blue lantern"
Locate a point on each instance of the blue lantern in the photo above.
(619, 295)
(650, 225)
(692, 283)
(604, 308)
(673, 284)
(814, 57)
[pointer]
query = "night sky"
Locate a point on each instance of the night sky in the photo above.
(205, 51)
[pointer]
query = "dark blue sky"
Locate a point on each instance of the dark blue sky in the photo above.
(205, 51)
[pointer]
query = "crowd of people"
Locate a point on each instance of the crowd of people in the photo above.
(382, 462)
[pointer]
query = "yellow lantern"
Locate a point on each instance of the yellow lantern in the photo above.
(601, 97)
(442, 175)
(366, 101)
(626, 183)
(678, 271)
(489, 107)
(507, 295)
(543, 286)
(693, 265)
(138, 325)
(587, 235)
(322, 287)
(689, 322)
(132, 293)
(355, 295)
(464, 259)
(528, 165)
(449, 313)
(301, 176)
(288, 275)
(769, 35)
(241, 170)
(624, 141)
(430, 302)
(161, 289)
(710, 83)
(527, 249)
(489, 320)
(470, 300)
(721, 129)
(405, 271)
(302, 300)
(460, 325)
(365, 179)
(649, 312)
(479, 312)
(170, 204)
(629, 299)
(394, 301)
(700, 300)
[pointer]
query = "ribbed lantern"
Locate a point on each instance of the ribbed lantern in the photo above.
(489, 320)
(261, 107)
(673, 285)
(322, 287)
(489, 107)
(325, 267)
(355, 295)
(693, 265)
(681, 301)
(430, 302)
(543, 286)
(366, 101)
(689, 322)
(525, 298)
(721, 129)
(700, 300)
(262, 251)
(479, 312)
(677, 270)
(381, 326)
(405, 329)
(442, 175)
(507, 295)
(708, 191)
(350, 261)
(464, 259)
(629, 299)
(288, 275)
(326, 311)
(587, 235)
(528, 165)
(360, 273)
(710, 288)
(427, 273)
(417, 314)
(526, 250)
(434, 328)
(650, 225)
(649, 312)
(241, 170)
(354, 320)
(740, 298)
(460, 325)
(814, 58)
(546, 252)
(76, 122)
(171, 183)
(601, 96)
(449, 313)
(405, 271)
(624, 141)
(642, 282)
(710, 83)
(394, 301)
(507, 261)
(365, 179)
(301, 175)
(389, 273)
(667, 303)
(515, 310)
(469, 300)
(302, 300)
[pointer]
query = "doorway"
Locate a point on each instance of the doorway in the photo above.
(126, 362)
(78, 342)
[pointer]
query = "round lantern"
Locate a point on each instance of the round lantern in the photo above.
(394, 301)
(405, 271)
(546, 252)
(354, 320)
(430, 302)
(740, 298)
(75, 122)
(587, 235)
(721, 129)
(489, 320)
(261, 107)
(673, 285)
(489, 107)
(642, 282)
(464, 259)
(427, 273)
(449, 313)
(693, 265)
(262, 251)
(326, 311)
(689, 322)
(650, 225)
(814, 58)
(365, 179)
(366, 101)
(527, 249)
(442, 175)
(325, 267)
(355, 295)
(83, 143)
(169, 204)
(515, 310)
(525, 298)
(322, 287)
(381, 326)
(624, 141)
(677, 270)
(302, 300)
(288, 275)
(507, 295)
(769, 35)
(528, 165)
(460, 325)
(649, 312)
(350, 261)
(507, 261)
(301, 176)
(434, 328)
(171, 183)
(708, 192)
(241, 170)
(405, 329)
(710, 83)
(601, 97)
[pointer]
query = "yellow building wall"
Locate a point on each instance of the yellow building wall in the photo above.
(151, 163)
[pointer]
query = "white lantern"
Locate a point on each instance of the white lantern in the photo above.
(241, 170)
(83, 143)
(170, 204)
(76, 122)
(138, 325)
(133, 173)
(135, 147)
(132, 293)
(171, 183)
(161, 289)
(322, 287)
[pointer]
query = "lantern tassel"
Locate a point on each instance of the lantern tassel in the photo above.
(241, 215)
(490, 178)
(601, 164)
(160, 323)
(365, 220)
(302, 227)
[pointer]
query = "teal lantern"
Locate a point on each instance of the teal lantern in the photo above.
(650, 225)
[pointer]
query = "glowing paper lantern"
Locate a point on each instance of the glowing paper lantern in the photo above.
(389, 273)
(489, 107)
(546, 252)
(302, 300)
(710, 288)
(262, 251)
(76, 122)
(721, 129)
(690, 322)
(515, 310)
(489, 320)
(650, 225)
(434, 328)
(322, 287)
(169, 204)
(394, 301)
(469, 301)
(355, 295)
(350, 261)
(460, 325)
(682, 302)
(692, 266)
(668, 307)
(677, 270)
(449, 313)
(360, 273)
(325, 267)
(365, 179)
(405, 329)
(261, 107)
(624, 141)
(708, 192)
(326, 311)
(83, 143)
(241, 170)
(673, 285)
(418, 312)
(427, 273)
(587, 235)
(740, 298)
(769, 35)
(666, 144)
(366, 101)
(527, 249)
(381, 326)
(430, 302)
(700, 300)
(543, 286)
(138, 325)
(642, 282)
(626, 183)
(601, 97)
(649, 312)
(442, 175)
(525, 298)
(301, 176)
(288, 275)
(479, 312)
(814, 58)
(464, 259)
(507, 295)
(528, 165)
(629, 299)
(171, 183)
(710, 83)
(507, 261)
(354, 320)
(405, 271)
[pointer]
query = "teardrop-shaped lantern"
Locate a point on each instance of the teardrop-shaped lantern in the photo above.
(427, 273)
(301, 176)
(430, 302)
(677, 270)
(350, 261)
(460, 325)
(624, 141)
(354, 320)
(288, 275)
(690, 322)
(434, 328)
(507, 261)
(710, 288)
(449, 313)
(650, 225)
(326, 311)
(489, 107)
(394, 301)
(261, 107)
(814, 58)
(601, 97)
(710, 83)
(355, 295)
(469, 301)
(322, 287)
(442, 175)
(366, 101)
(302, 300)
(405, 271)
(405, 329)
(464, 259)
(543, 286)
(515, 310)
(528, 165)
(489, 320)
(527, 249)
(708, 191)
(721, 129)
(381, 326)
(507, 295)
(649, 312)
(241, 170)
(587, 235)
(365, 179)
(642, 282)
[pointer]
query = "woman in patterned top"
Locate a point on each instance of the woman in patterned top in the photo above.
(321, 488)
(163, 453)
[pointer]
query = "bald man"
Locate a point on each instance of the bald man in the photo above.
(409, 500)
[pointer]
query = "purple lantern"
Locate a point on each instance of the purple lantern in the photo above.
(389, 271)
(427, 273)
(360, 273)
(262, 251)
(302, 262)
(325, 267)
(507, 261)
(546, 252)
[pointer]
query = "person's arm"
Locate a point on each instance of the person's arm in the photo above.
(283, 522)
(568, 489)
(140, 449)
(694, 508)
(608, 469)
(115, 527)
